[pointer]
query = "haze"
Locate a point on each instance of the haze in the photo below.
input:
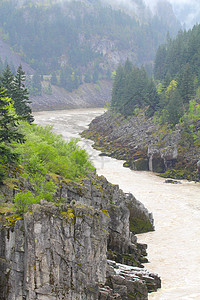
(187, 11)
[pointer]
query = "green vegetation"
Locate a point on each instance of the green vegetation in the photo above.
(16, 90)
(9, 133)
(176, 83)
(132, 89)
(33, 152)
(45, 153)
(171, 97)
(137, 225)
(65, 37)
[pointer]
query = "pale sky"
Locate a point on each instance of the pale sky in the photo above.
(174, 2)
(187, 11)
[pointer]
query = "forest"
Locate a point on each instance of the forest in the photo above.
(62, 40)
(175, 84)
(171, 97)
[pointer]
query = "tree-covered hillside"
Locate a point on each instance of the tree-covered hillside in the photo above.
(79, 41)
(176, 80)
(171, 98)
(173, 58)
(132, 90)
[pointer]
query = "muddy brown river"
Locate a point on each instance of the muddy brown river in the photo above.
(174, 247)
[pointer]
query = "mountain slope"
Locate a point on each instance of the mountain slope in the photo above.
(87, 35)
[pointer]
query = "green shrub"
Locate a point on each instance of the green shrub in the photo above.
(45, 152)
(23, 201)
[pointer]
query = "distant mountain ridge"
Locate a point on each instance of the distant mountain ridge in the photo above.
(50, 36)
(81, 42)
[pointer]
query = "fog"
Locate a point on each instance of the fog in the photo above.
(186, 11)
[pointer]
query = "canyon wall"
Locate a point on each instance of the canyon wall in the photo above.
(82, 246)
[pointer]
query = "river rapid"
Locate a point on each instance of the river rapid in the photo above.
(174, 246)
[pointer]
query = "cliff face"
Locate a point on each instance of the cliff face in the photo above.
(144, 145)
(59, 250)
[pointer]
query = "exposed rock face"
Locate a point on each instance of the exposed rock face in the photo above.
(142, 143)
(126, 281)
(59, 250)
(55, 253)
(127, 216)
(87, 95)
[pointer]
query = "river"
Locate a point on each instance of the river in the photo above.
(174, 247)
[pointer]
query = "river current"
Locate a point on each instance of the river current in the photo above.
(174, 246)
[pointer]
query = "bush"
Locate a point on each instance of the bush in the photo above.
(45, 152)
(23, 201)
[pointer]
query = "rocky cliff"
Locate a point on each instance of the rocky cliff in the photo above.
(60, 250)
(145, 145)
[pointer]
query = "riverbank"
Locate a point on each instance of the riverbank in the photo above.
(172, 247)
(87, 95)
(145, 145)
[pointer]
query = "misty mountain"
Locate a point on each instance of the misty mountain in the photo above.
(186, 11)
(84, 40)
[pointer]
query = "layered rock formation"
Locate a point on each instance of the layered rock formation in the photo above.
(59, 250)
(143, 144)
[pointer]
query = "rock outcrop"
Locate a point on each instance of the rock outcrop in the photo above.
(143, 144)
(60, 250)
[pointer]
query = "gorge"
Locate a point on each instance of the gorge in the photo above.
(172, 247)
(81, 245)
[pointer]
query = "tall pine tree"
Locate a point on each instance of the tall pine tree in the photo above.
(6, 80)
(9, 131)
(20, 96)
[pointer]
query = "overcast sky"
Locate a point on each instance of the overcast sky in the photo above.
(187, 11)
(176, 2)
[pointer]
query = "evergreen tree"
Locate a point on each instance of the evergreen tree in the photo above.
(20, 96)
(36, 85)
(160, 66)
(9, 131)
(152, 99)
(186, 83)
(118, 89)
(175, 108)
(6, 80)
(128, 67)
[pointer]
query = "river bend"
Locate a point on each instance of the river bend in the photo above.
(174, 247)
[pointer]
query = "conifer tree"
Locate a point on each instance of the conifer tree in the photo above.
(6, 80)
(118, 88)
(20, 96)
(9, 131)
(36, 85)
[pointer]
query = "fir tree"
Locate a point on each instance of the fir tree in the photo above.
(36, 85)
(20, 96)
(9, 131)
(6, 80)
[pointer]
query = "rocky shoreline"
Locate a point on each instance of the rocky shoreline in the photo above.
(82, 246)
(144, 145)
